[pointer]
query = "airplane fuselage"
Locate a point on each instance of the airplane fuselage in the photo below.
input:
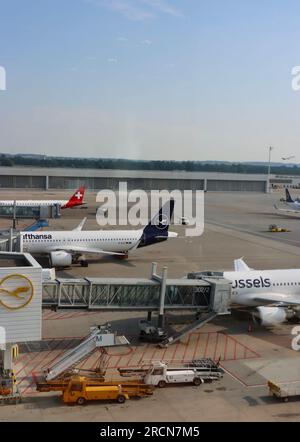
(295, 205)
(32, 203)
(247, 285)
(111, 240)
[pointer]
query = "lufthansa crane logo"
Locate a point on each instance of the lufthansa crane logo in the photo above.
(161, 221)
(16, 291)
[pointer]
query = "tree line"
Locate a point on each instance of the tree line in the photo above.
(159, 165)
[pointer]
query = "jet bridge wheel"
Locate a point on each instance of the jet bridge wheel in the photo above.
(84, 263)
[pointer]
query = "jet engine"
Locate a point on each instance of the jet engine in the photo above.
(271, 315)
(60, 259)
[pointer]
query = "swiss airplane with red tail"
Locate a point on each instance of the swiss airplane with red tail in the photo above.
(75, 200)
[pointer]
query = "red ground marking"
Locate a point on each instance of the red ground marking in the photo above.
(132, 354)
(187, 346)
(34, 381)
(226, 344)
(206, 346)
(29, 360)
(196, 346)
(175, 350)
(53, 316)
(143, 354)
(61, 352)
(164, 352)
(32, 369)
(155, 350)
(216, 347)
(130, 349)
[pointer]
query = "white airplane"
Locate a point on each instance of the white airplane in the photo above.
(66, 247)
(273, 294)
(75, 200)
(294, 205)
(288, 158)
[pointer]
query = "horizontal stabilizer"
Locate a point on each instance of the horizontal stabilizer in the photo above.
(286, 210)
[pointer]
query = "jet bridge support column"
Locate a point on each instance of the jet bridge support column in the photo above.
(161, 316)
(163, 282)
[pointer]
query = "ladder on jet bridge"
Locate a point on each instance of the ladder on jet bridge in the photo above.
(99, 337)
(188, 329)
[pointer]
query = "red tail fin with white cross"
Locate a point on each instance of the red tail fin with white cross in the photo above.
(76, 199)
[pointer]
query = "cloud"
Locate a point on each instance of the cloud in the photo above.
(138, 10)
(130, 9)
(162, 6)
(147, 42)
(112, 60)
(122, 39)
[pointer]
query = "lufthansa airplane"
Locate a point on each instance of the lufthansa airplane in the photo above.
(66, 247)
(75, 200)
(294, 205)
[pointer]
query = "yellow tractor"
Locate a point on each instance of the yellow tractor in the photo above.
(275, 229)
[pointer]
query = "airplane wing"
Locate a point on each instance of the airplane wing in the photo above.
(286, 210)
(241, 266)
(276, 299)
(78, 249)
(80, 225)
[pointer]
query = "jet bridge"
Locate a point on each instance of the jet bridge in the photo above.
(138, 294)
(30, 212)
(208, 296)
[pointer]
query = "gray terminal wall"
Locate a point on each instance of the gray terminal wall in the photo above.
(231, 186)
(132, 183)
(98, 183)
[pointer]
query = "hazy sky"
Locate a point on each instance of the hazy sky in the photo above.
(150, 79)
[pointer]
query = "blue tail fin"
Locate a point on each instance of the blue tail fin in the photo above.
(289, 199)
(157, 229)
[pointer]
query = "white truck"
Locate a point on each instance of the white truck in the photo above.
(159, 375)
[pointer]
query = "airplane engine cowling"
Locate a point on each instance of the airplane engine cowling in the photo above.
(271, 315)
(61, 259)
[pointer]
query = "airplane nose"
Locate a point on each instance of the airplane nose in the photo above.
(172, 234)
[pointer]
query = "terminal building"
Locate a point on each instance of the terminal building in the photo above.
(97, 179)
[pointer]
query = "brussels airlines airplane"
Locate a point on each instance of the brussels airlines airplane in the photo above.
(274, 293)
(65, 247)
(293, 204)
(75, 200)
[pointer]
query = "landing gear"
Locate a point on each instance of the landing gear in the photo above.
(80, 259)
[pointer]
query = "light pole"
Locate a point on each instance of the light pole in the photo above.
(269, 170)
